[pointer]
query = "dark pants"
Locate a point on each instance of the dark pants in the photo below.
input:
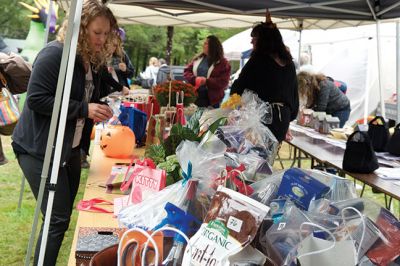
(343, 115)
(280, 122)
(85, 140)
(66, 190)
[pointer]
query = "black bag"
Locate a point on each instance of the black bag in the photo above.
(359, 156)
(394, 142)
(378, 133)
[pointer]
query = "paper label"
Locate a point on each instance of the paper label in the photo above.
(210, 246)
(234, 224)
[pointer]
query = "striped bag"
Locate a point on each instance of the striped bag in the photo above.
(9, 112)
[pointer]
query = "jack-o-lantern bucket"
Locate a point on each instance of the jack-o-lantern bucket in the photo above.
(117, 141)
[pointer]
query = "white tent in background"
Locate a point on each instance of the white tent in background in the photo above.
(241, 42)
(347, 54)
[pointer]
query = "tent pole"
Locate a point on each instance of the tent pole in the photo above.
(398, 71)
(378, 46)
(69, 50)
(300, 36)
(65, 75)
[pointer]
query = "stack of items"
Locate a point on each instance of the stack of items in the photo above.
(206, 195)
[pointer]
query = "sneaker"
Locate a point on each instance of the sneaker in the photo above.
(3, 161)
(84, 163)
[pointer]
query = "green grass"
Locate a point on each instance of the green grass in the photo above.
(15, 226)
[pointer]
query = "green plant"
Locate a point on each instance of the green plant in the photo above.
(156, 153)
(172, 168)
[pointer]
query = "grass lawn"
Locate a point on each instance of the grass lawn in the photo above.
(16, 225)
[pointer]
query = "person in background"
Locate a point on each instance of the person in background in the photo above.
(211, 71)
(270, 72)
(321, 95)
(113, 79)
(151, 70)
(120, 67)
(305, 64)
(163, 72)
(31, 132)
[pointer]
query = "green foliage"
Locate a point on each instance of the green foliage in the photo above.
(177, 134)
(143, 42)
(194, 121)
(16, 24)
(172, 168)
(219, 122)
(156, 153)
(14, 21)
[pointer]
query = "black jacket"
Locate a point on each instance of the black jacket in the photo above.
(272, 83)
(123, 76)
(31, 133)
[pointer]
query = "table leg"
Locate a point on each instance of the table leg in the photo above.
(387, 204)
(294, 157)
(362, 190)
(299, 160)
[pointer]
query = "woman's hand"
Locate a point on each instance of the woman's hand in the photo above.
(199, 82)
(110, 69)
(122, 67)
(99, 112)
(289, 135)
(125, 90)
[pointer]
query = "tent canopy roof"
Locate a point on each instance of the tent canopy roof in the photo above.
(288, 14)
(336, 9)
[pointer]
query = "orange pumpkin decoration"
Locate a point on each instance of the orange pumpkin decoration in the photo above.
(117, 141)
(93, 133)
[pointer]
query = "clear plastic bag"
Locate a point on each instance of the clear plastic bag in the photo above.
(150, 212)
(261, 111)
(281, 240)
(208, 161)
(266, 189)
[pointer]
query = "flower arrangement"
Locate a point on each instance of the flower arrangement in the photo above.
(161, 91)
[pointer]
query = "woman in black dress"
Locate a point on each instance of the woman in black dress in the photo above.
(270, 72)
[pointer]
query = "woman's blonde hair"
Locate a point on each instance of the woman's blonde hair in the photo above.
(153, 61)
(308, 85)
(119, 51)
(92, 9)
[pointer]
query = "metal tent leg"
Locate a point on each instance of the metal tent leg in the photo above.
(21, 192)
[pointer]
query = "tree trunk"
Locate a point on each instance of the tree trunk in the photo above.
(170, 35)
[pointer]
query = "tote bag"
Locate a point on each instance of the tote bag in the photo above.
(393, 146)
(359, 156)
(9, 112)
(378, 132)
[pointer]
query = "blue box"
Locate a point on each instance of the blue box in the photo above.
(301, 188)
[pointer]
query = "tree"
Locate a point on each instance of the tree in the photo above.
(14, 22)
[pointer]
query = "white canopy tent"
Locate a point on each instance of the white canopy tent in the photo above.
(356, 10)
(144, 12)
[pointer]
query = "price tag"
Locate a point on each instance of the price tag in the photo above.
(234, 223)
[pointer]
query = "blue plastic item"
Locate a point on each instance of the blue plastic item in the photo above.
(180, 219)
(135, 120)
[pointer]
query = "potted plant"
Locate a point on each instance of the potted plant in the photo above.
(161, 91)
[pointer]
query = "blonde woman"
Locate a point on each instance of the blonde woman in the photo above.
(120, 66)
(31, 133)
(320, 94)
(151, 70)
